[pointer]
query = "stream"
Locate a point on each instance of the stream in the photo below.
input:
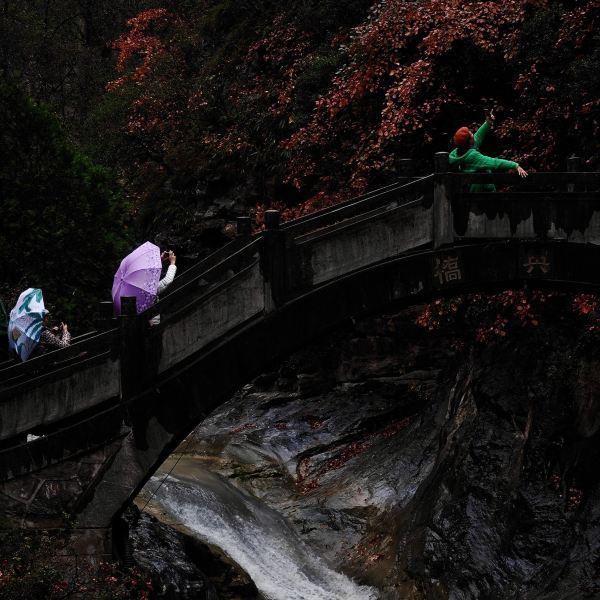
(256, 537)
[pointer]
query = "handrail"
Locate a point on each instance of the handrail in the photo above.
(208, 262)
(215, 269)
(533, 196)
(540, 178)
(98, 343)
(400, 182)
(95, 437)
(363, 217)
(349, 209)
(11, 362)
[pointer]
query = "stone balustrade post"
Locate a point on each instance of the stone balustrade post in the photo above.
(131, 349)
(244, 226)
(406, 168)
(443, 222)
(274, 260)
(573, 166)
(272, 220)
(106, 316)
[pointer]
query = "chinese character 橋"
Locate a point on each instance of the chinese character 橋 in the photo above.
(447, 269)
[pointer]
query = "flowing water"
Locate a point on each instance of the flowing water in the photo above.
(255, 536)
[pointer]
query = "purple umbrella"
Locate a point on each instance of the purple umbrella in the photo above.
(138, 276)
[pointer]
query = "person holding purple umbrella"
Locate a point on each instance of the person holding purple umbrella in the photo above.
(167, 280)
(138, 276)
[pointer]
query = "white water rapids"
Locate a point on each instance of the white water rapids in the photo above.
(255, 536)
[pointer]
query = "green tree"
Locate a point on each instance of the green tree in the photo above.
(63, 218)
(59, 50)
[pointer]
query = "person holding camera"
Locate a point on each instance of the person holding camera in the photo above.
(53, 338)
(467, 158)
(167, 280)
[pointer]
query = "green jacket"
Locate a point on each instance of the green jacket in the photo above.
(472, 161)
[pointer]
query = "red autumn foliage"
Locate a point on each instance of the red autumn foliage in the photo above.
(315, 423)
(142, 44)
(489, 317)
(328, 111)
(574, 498)
(409, 58)
(585, 304)
(366, 551)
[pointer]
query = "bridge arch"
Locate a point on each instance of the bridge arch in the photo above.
(116, 403)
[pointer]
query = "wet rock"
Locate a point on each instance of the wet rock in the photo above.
(424, 471)
(182, 567)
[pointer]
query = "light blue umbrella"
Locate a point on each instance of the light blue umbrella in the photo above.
(26, 323)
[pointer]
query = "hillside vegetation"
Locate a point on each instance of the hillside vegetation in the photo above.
(206, 109)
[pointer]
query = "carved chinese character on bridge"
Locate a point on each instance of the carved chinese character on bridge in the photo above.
(539, 263)
(447, 269)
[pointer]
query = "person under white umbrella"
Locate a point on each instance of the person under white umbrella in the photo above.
(26, 323)
(29, 327)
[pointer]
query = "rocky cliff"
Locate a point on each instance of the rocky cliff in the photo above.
(423, 466)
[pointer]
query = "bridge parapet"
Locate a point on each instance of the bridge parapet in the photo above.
(555, 213)
(82, 376)
(402, 223)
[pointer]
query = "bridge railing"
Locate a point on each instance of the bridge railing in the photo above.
(83, 349)
(398, 191)
(59, 386)
(72, 438)
(206, 264)
(530, 207)
(555, 181)
(200, 278)
(211, 273)
(198, 282)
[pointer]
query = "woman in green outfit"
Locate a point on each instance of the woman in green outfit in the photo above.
(466, 157)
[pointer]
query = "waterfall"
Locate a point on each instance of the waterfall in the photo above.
(255, 536)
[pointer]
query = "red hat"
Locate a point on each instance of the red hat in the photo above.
(463, 137)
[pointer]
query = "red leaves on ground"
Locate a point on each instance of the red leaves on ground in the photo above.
(347, 453)
(315, 423)
(244, 427)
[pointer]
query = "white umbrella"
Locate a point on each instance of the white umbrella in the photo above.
(26, 323)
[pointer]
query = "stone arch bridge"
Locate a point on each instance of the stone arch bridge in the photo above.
(110, 408)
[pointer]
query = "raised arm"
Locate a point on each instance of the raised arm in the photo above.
(480, 134)
(167, 280)
(54, 341)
